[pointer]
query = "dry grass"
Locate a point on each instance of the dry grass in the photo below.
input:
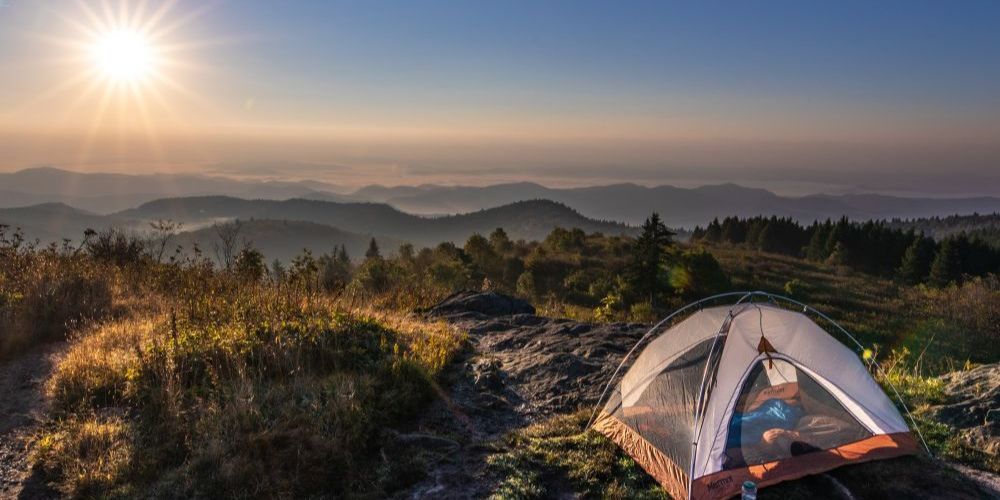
(95, 452)
(44, 295)
(233, 388)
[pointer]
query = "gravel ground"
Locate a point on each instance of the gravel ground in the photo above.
(22, 408)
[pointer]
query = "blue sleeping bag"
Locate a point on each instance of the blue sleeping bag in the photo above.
(749, 427)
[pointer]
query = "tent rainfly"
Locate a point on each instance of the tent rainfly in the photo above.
(748, 391)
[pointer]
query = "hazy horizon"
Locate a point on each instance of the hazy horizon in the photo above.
(897, 98)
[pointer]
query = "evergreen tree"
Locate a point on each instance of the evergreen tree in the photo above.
(334, 269)
(650, 253)
(734, 230)
(840, 256)
(917, 260)
(713, 232)
(838, 233)
(342, 256)
(372, 252)
(947, 265)
(816, 249)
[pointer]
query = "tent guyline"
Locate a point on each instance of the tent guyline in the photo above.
(725, 395)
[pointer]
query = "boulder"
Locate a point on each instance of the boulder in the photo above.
(973, 406)
(484, 303)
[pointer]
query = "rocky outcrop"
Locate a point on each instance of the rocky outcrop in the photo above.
(521, 368)
(540, 366)
(973, 406)
(480, 303)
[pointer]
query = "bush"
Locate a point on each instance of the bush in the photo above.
(43, 295)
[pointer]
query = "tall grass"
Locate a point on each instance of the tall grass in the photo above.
(215, 385)
(46, 292)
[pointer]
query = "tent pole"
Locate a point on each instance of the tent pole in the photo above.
(875, 363)
(607, 386)
(699, 414)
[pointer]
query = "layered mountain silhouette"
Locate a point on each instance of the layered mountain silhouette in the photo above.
(626, 203)
(529, 220)
(679, 207)
(107, 193)
(285, 239)
(53, 222)
(281, 229)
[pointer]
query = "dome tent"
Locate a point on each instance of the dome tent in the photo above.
(747, 391)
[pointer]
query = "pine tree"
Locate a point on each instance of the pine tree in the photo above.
(838, 233)
(840, 256)
(372, 252)
(947, 265)
(342, 256)
(816, 249)
(734, 230)
(917, 260)
(713, 232)
(649, 259)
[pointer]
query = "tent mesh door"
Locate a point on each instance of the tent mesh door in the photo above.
(782, 412)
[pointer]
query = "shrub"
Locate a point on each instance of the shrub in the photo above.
(42, 295)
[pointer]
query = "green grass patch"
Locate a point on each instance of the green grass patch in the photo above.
(556, 456)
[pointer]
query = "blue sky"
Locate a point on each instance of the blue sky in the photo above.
(483, 91)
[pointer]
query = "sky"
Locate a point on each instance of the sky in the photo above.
(848, 96)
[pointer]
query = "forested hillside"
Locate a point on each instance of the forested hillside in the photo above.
(977, 226)
(873, 247)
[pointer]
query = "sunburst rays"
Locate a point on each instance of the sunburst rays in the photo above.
(125, 61)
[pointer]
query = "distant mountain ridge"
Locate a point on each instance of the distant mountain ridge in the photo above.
(284, 227)
(530, 220)
(52, 222)
(625, 202)
(681, 207)
(107, 193)
(285, 239)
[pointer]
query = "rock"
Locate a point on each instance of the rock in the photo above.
(973, 406)
(485, 303)
(486, 375)
(542, 366)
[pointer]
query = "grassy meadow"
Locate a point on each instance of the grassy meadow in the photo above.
(186, 378)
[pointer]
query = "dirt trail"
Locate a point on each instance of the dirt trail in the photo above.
(22, 408)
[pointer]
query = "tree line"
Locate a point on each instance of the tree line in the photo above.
(874, 247)
(617, 277)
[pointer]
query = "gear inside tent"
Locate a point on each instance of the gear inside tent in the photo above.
(750, 391)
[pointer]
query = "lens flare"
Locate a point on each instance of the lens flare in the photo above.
(123, 56)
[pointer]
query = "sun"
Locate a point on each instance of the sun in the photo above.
(123, 56)
(129, 65)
